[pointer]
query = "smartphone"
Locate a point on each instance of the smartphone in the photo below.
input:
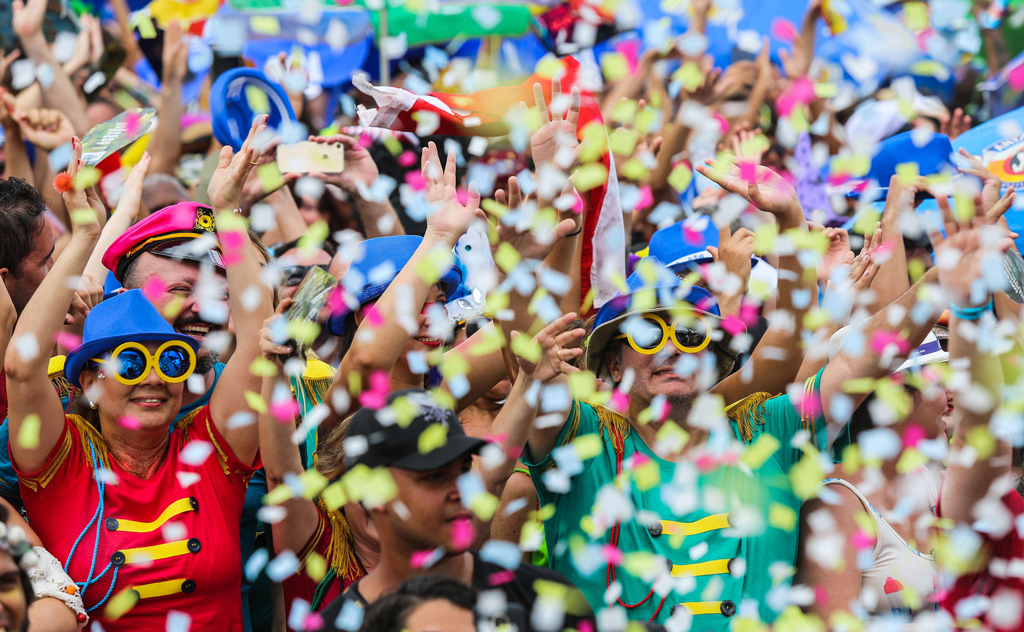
(310, 157)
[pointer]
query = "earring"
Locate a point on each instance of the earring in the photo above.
(92, 404)
(101, 375)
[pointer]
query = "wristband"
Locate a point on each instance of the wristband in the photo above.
(578, 231)
(970, 313)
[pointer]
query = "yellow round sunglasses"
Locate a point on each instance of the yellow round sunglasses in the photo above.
(649, 333)
(174, 361)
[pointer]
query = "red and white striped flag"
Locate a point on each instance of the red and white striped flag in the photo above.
(483, 114)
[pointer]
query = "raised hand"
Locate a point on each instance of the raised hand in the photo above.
(955, 125)
(553, 360)
(555, 141)
(225, 187)
(735, 250)
(961, 253)
(838, 252)
(450, 219)
(255, 187)
(271, 344)
(360, 169)
(798, 63)
(175, 53)
(81, 205)
(131, 192)
(990, 182)
(46, 129)
(531, 242)
(767, 190)
(28, 19)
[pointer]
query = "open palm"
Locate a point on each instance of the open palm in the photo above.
(767, 191)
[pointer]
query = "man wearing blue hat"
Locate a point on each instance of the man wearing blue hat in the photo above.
(661, 345)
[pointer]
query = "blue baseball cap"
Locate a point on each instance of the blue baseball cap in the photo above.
(126, 317)
(381, 260)
(679, 252)
(232, 110)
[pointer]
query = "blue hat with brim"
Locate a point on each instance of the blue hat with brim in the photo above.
(669, 292)
(381, 261)
(685, 243)
(127, 317)
(933, 157)
(232, 105)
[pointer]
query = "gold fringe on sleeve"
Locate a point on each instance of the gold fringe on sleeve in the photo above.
(747, 412)
(341, 554)
(615, 425)
(87, 432)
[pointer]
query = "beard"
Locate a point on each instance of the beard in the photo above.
(206, 360)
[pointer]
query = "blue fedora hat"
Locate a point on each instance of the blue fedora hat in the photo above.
(931, 158)
(231, 108)
(127, 317)
(385, 255)
(670, 292)
(671, 246)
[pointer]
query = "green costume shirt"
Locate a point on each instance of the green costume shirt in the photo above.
(728, 530)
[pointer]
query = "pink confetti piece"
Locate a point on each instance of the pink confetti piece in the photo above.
(129, 422)
(612, 554)
(285, 411)
(416, 180)
(407, 158)
(692, 237)
(462, 195)
(619, 402)
(706, 463)
(862, 540)
(154, 288)
(810, 405)
(423, 559)
(463, 534)
(313, 622)
(1015, 78)
(376, 397)
(498, 579)
(820, 595)
(67, 340)
(783, 30)
(578, 205)
(748, 171)
(645, 199)
(373, 316)
(630, 49)
(131, 124)
(232, 243)
(913, 435)
(723, 122)
(882, 339)
(733, 325)
(749, 312)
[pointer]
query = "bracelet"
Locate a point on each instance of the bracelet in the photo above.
(578, 231)
(970, 313)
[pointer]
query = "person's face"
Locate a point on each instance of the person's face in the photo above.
(930, 408)
(297, 258)
(180, 293)
(435, 507)
(33, 268)
(439, 615)
(13, 603)
(422, 342)
(655, 374)
(149, 405)
(498, 393)
(309, 208)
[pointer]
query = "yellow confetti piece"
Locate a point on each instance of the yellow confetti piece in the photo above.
(278, 495)
(334, 495)
(121, 604)
(265, 24)
(915, 15)
(314, 237)
(826, 90)
(454, 366)
(257, 99)
(906, 173)
(434, 265)
(642, 563)
(680, 177)
(507, 257)
(851, 459)
(765, 237)
(83, 217)
(86, 177)
(781, 517)
(761, 450)
(590, 176)
(689, 75)
(647, 476)
(843, 620)
(433, 437)
(625, 111)
(614, 66)
(263, 367)
(806, 477)
(526, 348)
(494, 208)
(269, 175)
(146, 28)
(634, 169)
(484, 505)
(593, 144)
(255, 402)
(982, 441)
(312, 483)
(548, 67)
(673, 437)
(646, 119)
(303, 331)
(582, 385)
(588, 446)
(316, 566)
(28, 434)
(393, 145)
(373, 487)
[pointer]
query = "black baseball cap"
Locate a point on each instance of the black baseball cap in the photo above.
(392, 443)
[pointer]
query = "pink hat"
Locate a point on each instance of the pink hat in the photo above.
(166, 233)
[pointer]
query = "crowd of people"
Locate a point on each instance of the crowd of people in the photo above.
(678, 348)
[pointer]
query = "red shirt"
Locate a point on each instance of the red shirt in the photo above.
(173, 537)
(332, 540)
(996, 578)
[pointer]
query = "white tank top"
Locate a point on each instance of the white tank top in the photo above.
(896, 568)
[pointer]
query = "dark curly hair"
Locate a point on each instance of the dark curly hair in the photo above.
(389, 613)
(21, 219)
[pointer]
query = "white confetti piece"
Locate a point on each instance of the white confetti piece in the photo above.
(196, 452)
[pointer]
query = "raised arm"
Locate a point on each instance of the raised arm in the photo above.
(773, 370)
(60, 93)
(251, 301)
(166, 145)
(279, 454)
(33, 405)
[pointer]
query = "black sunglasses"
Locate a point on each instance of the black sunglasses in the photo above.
(293, 275)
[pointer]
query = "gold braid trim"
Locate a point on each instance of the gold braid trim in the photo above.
(808, 420)
(615, 425)
(747, 412)
(87, 432)
(341, 554)
(221, 454)
(185, 423)
(43, 478)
